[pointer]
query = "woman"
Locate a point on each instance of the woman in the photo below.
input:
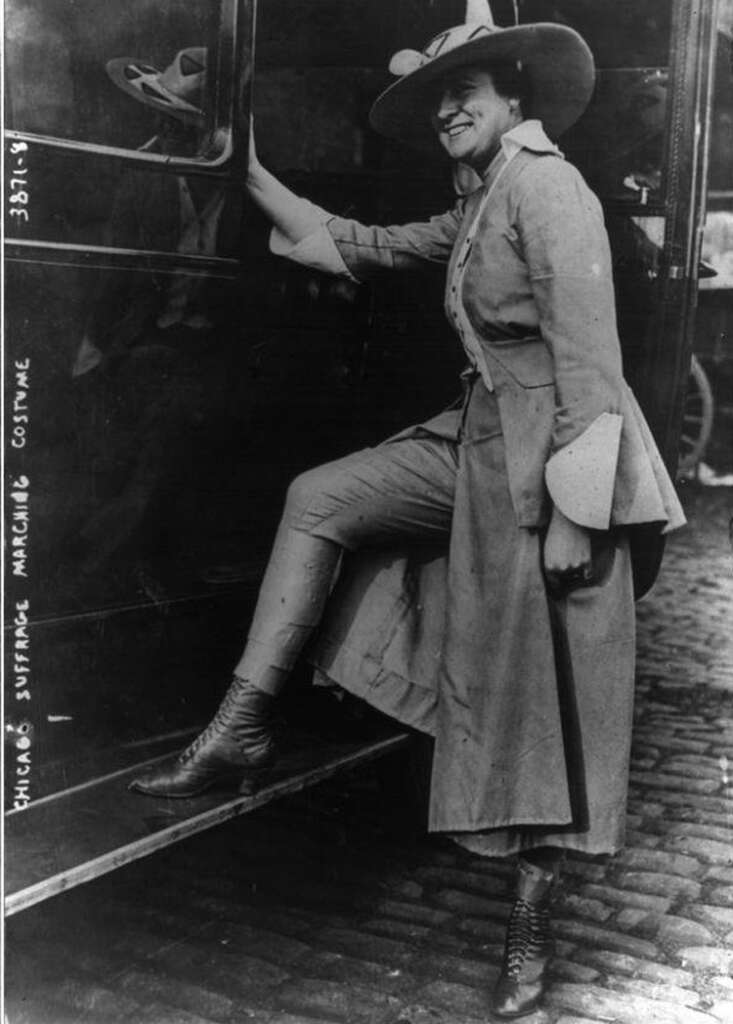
(514, 646)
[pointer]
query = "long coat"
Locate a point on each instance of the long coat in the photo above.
(529, 697)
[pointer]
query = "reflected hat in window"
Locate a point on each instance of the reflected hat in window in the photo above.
(556, 61)
(178, 90)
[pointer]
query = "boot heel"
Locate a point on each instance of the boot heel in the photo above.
(254, 780)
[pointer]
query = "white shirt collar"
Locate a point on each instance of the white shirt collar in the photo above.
(527, 135)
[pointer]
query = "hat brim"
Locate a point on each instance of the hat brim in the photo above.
(176, 107)
(557, 60)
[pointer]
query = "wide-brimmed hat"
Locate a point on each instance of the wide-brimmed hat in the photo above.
(556, 59)
(178, 90)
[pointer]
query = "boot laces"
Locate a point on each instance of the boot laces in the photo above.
(221, 720)
(528, 931)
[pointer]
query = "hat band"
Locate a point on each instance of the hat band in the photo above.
(437, 43)
(149, 84)
(407, 61)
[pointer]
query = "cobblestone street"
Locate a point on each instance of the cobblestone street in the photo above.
(328, 908)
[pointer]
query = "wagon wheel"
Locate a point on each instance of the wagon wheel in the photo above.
(697, 419)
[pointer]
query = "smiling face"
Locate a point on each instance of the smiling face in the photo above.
(470, 116)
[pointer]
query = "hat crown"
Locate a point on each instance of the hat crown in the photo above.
(479, 21)
(457, 36)
(178, 90)
(184, 76)
(478, 12)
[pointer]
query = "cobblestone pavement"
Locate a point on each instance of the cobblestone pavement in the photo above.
(328, 908)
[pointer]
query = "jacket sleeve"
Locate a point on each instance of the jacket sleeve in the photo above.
(317, 250)
(338, 245)
(559, 223)
(368, 250)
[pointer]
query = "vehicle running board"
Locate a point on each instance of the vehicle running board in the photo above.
(66, 839)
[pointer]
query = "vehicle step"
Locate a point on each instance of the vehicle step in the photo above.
(74, 836)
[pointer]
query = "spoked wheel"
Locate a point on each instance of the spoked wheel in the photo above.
(697, 419)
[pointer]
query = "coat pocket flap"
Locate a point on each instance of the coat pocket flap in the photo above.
(527, 361)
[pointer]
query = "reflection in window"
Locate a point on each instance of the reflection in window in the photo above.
(109, 74)
(619, 141)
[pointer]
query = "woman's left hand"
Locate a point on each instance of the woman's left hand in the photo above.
(567, 554)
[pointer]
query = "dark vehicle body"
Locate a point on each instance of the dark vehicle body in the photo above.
(144, 476)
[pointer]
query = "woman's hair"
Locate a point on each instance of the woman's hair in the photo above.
(512, 81)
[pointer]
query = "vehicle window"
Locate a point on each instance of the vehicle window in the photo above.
(623, 34)
(320, 65)
(619, 141)
(132, 76)
(348, 33)
(717, 244)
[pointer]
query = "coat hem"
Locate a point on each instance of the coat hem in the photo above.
(387, 691)
(491, 846)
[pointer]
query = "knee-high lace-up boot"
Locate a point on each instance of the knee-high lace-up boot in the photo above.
(237, 744)
(529, 946)
(235, 747)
